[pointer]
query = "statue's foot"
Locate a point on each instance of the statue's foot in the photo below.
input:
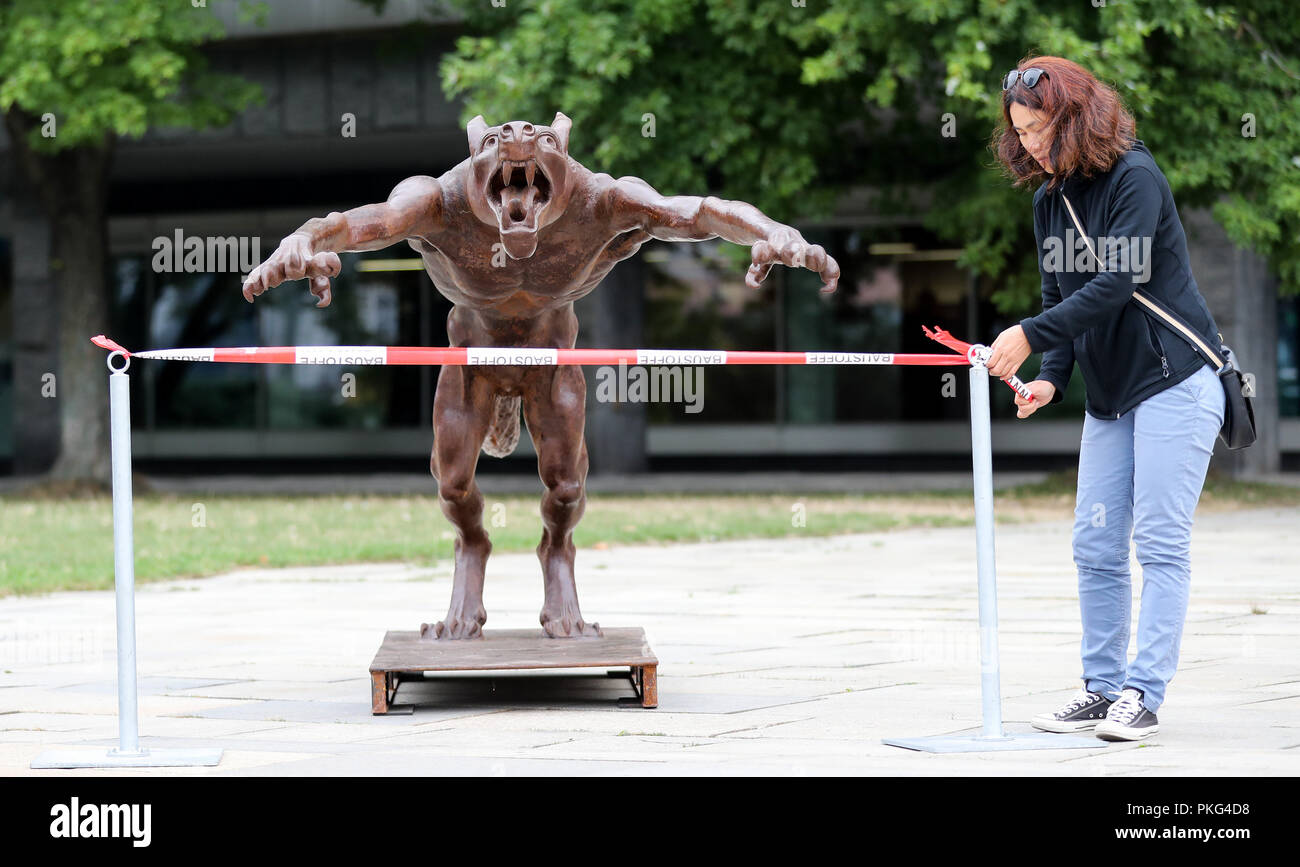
(569, 624)
(454, 627)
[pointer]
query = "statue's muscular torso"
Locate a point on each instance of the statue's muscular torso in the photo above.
(500, 301)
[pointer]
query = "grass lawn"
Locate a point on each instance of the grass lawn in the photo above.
(49, 543)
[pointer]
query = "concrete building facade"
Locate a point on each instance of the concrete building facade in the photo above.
(353, 105)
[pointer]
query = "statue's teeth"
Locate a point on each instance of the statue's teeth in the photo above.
(530, 171)
(506, 168)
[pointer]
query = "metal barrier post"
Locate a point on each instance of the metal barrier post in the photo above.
(991, 735)
(128, 753)
(981, 440)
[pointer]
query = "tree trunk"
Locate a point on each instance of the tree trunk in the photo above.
(72, 186)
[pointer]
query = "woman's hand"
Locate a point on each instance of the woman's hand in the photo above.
(1009, 352)
(1043, 392)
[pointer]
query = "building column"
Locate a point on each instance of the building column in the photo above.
(35, 338)
(613, 317)
(1242, 294)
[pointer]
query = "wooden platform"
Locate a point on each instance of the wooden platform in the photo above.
(406, 654)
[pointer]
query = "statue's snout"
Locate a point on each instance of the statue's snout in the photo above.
(518, 140)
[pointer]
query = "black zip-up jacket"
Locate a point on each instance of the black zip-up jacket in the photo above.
(1125, 355)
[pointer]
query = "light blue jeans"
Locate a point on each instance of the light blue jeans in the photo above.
(1140, 476)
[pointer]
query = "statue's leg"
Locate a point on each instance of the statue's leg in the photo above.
(555, 410)
(462, 410)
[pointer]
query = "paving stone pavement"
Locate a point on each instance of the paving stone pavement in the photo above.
(784, 657)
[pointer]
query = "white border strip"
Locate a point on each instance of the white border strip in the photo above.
(505, 355)
(681, 356)
(176, 354)
(340, 355)
(849, 358)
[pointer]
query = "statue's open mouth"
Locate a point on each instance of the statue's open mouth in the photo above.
(517, 192)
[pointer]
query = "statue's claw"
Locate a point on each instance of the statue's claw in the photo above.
(789, 249)
(451, 629)
(294, 260)
(569, 624)
(464, 619)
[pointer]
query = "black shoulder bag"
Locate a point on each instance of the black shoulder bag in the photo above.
(1238, 429)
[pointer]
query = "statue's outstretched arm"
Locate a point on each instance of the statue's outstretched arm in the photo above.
(413, 209)
(635, 204)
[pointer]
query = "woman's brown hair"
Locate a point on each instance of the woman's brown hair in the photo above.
(1086, 123)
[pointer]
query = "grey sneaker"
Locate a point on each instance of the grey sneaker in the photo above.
(1127, 719)
(1080, 714)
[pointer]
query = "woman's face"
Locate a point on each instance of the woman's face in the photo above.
(1031, 126)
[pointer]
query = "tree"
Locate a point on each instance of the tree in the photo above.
(75, 75)
(788, 102)
(784, 103)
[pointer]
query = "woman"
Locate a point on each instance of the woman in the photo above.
(1153, 406)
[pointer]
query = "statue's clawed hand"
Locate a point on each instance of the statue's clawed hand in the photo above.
(787, 247)
(294, 260)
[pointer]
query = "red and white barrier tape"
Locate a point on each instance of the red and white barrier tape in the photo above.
(524, 355)
(503, 355)
(976, 353)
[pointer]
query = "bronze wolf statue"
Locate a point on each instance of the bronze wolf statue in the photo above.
(513, 236)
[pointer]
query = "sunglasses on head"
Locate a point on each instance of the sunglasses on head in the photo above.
(1029, 76)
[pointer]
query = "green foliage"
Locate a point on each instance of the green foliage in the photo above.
(730, 112)
(784, 105)
(116, 68)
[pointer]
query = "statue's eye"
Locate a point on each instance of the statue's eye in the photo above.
(490, 141)
(548, 138)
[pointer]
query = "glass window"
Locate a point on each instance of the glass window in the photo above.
(696, 298)
(200, 310)
(377, 300)
(893, 280)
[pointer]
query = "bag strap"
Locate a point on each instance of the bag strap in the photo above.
(1173, 322)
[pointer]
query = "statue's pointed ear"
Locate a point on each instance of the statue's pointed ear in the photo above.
(475, 131)
(562, 125)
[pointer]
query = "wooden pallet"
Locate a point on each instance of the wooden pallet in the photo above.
(406, 653)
